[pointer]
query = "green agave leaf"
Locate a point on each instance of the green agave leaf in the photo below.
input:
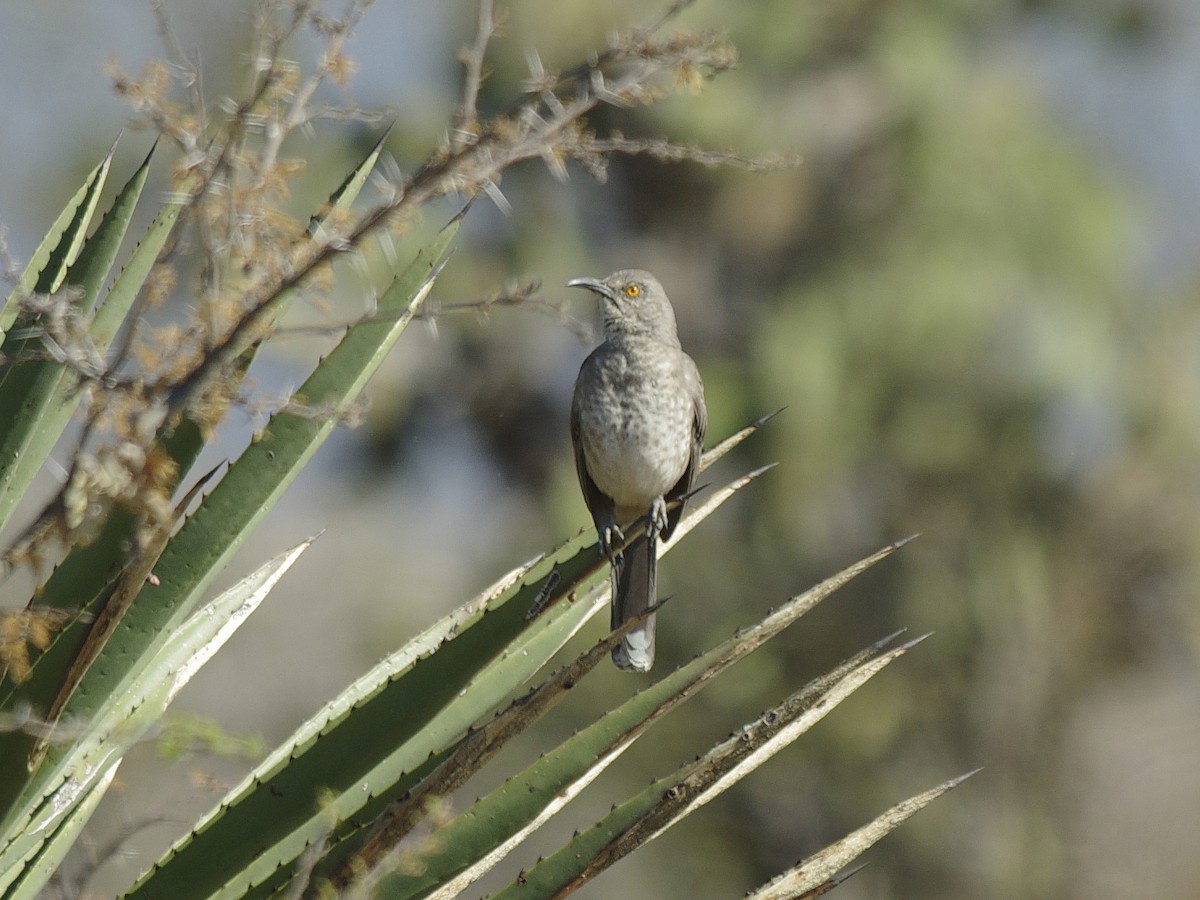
(88, 573)
(35, 397)
(113, 312)
(184, 439)
(80, 579)
(289, 803)
(239, 346)
(501, 677)
(467, 846)
(99, 252)
(250, 487)
(468, 757)
(84, 582)
(297, 778)
(104, 558)
(721, 449)
(256, 480)
(44, 862)
(291, 785)
(60, 246)
(83, 578)
(351, 761)
(348, 191)
(810, 876)
(130, 715)
(669, 799)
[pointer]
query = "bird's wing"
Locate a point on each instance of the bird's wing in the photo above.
(599, 504)
(695, 388)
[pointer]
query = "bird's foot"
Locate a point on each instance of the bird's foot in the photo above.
(611, 540)
(656, 522)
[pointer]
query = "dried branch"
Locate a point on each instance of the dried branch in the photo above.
(467, 118)
(534, 132)
(20, 630)
(663, 150)
(186, 70)
(233, 175)
(521, 295)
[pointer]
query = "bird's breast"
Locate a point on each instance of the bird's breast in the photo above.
(635, 422)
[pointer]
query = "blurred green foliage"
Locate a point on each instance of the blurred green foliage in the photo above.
(946, 296)
(185, 733)
(951, 298)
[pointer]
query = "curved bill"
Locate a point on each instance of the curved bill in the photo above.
(592, 284)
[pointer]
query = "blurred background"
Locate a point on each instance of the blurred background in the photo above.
(976, 297)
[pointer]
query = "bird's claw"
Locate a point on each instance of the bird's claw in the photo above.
(657, 519)
(611, 537)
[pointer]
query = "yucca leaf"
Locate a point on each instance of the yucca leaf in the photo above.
(250, 487)
(386, 726)
(59, 247)
(469, 756)
(346, 193)
(82, 577)
(47, 857)
(82, 584)
(472, 842)
(810, 875)
(258, 478)
(114, 310)
(35, 397)
(85, 576)
(523, 655)
(669, 799)
(717, 452)
(123, 721)
(184, 439)
(354, 758)
(394, 707)
(90, 271)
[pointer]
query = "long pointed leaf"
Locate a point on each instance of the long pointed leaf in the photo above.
(79, 580)
(818, 870)
(255, 481)
(525, 654)
(49, 856)
(717, 452)
(127, 717)
(352, 760)
(113, 311)
(90, 570)
(526, 798)
(250, 487)
(82, 585)
(198, 551)
(184, 440)
(667, 800)
(392, 705)
(36, 401)
(467, 758)
(346, 193)
(60, 246)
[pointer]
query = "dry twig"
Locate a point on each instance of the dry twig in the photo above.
(232, 176)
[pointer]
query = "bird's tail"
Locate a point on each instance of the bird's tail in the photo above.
(633, 593)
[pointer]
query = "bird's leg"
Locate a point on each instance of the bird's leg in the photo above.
(656, 523)
(611, 537)
(656, 519)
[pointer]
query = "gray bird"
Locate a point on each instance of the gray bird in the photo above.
(637, 423)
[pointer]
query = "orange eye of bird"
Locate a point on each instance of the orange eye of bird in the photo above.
(632, 290)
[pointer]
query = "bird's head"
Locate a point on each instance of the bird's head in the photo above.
(632, 302)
